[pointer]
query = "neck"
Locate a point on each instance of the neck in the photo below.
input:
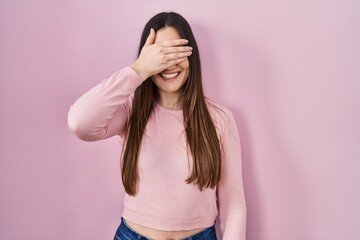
(170, 101)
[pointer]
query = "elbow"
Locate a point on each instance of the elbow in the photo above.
(73, 125)
(77, 127)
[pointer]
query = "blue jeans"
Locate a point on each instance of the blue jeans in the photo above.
(125, 232)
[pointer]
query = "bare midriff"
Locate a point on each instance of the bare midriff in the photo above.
(161, 235)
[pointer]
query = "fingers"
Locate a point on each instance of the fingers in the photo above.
(174, 56)
(174, 42)
(169, 50)
(174, 51)
(156, 57)
(151, 38)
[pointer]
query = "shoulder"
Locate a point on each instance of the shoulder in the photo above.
(224, 122)
(216, 109)
(220, 114)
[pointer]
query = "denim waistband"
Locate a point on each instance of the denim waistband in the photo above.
(125, 232)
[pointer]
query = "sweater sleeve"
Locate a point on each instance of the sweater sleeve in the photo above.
(230, 192)
(103, 111)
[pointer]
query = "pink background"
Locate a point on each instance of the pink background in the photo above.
(289, 70)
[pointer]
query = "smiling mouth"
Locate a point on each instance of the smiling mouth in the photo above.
(168, 76)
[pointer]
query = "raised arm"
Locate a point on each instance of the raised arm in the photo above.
(102, 112)
(230, 192)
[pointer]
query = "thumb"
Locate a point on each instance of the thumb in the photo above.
(151, 38)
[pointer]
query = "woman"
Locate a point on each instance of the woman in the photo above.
(181, 158)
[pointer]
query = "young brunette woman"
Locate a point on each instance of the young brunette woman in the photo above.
(181, 160)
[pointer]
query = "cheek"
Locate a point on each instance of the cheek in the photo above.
(185, 65)
(155, 80)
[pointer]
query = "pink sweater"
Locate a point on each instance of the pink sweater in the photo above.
(164, 200)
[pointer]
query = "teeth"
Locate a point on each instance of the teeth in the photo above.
(168, 76)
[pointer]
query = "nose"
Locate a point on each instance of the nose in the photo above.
(171, 68)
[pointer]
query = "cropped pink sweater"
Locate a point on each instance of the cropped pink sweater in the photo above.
(164, 201)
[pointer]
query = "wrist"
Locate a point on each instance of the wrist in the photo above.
(142, 74)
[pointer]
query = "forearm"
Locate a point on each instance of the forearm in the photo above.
(230, 191)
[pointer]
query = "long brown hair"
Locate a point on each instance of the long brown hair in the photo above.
(201, 135)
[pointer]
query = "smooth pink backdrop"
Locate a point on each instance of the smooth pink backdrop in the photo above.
(289, 70)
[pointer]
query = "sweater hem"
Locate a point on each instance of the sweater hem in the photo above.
(165, 225)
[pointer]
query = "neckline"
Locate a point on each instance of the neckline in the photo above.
(162, 108)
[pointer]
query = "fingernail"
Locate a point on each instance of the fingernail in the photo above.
(186, 41)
